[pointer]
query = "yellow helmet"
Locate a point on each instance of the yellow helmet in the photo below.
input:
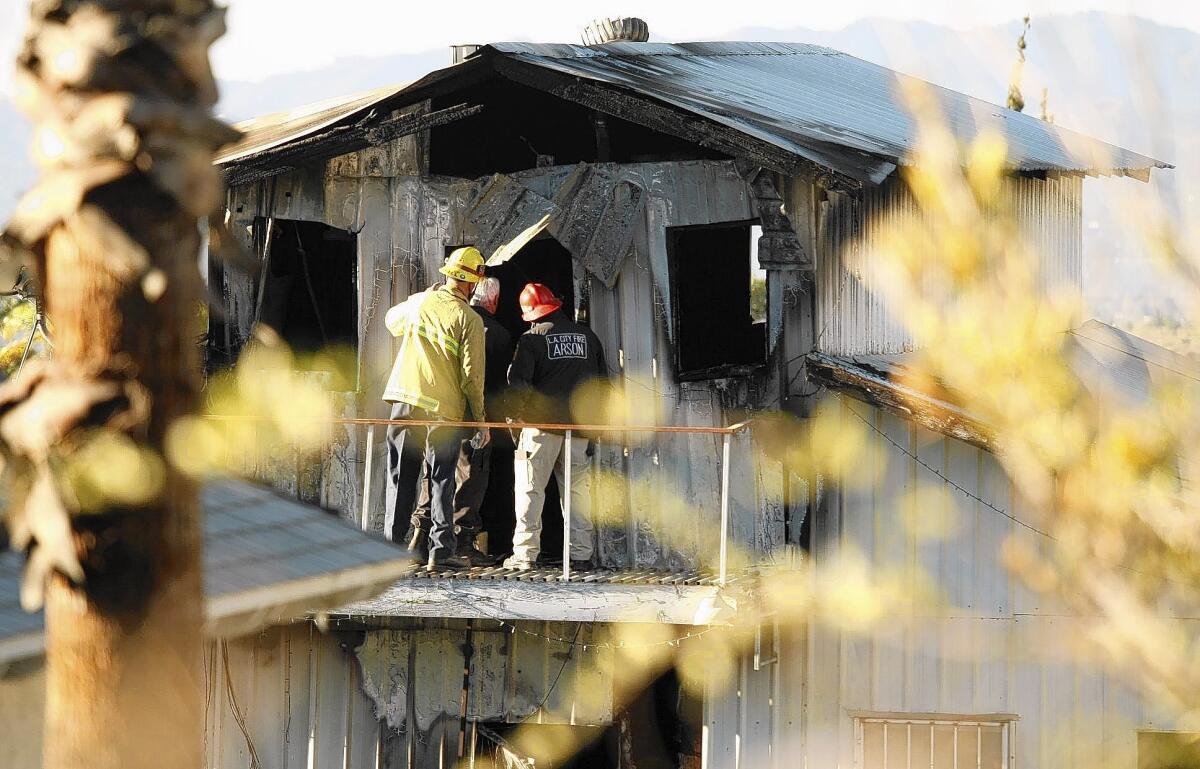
(464, 264)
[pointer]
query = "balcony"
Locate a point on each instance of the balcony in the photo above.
(684, 523)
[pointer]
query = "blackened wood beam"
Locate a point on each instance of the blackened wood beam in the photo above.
(878, 389)
(339, 140)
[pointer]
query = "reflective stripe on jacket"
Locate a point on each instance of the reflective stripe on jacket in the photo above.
(440, 364)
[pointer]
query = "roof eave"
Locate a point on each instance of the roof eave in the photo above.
(876, 388)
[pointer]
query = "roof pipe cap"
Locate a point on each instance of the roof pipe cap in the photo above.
(618, 29)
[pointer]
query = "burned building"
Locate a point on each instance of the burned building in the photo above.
(657, 188)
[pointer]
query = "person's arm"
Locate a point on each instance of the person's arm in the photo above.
(394, 320)
(520, 374)
(474, 362)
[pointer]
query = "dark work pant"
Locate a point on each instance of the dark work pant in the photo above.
(471, 479)
(409, 448)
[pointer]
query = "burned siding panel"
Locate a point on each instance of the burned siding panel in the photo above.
(513, 674)
(374, 228)
(342, 465)
(298, 195)
(612, 510)
(599, 208)
(639, 353)
(238, 292)
(506, 215)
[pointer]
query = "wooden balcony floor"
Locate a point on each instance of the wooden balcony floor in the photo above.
(629, 595)
(595, 576)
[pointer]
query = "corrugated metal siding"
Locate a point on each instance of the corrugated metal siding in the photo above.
(297, 696)
(757, 718)
(994, 647)
(852, 309)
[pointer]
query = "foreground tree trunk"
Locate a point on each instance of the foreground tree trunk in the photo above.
(122, 93)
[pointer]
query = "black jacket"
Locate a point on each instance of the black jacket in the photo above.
(554, 357)
(498, 348)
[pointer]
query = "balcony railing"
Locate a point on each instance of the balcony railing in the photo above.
(726, 434)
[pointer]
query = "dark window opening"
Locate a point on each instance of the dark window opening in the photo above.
(716, 331)
(310, 292)
(521, 127)
(542, 260)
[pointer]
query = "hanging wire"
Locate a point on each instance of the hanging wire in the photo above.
(984, 502)
(942, 476)
(238, 716)
(561, 668)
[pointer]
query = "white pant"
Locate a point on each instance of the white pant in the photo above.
(538, 454)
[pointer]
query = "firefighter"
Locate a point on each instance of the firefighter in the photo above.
(438, 376)
(474, 465)
(554, 357)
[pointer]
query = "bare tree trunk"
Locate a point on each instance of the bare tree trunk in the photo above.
(123, 650)
(123, 90)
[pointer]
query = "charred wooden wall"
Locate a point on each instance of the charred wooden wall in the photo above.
(668, 516)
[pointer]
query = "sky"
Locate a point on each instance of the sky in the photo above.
(268, 37)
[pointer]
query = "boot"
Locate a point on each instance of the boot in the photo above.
(418, 547)
(447, 563)
(473, 555)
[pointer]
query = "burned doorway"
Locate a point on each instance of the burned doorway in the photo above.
(542, 260)
(308, 292)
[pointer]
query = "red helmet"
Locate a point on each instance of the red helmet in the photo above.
(538, 301)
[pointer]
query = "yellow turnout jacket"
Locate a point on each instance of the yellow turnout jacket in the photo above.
(440, 364)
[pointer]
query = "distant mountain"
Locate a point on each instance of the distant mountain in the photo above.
(241, 99)
(1122, 79)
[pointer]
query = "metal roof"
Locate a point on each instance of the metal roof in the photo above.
(808, 99)
(815, 103)
(267, 559)
(268, 131)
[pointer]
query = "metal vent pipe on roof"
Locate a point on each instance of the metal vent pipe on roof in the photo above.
(459, 53)
(619, 29)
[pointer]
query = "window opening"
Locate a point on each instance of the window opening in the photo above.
(932, 742)
(310, 294)
(1168, 750)
(712, 271)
